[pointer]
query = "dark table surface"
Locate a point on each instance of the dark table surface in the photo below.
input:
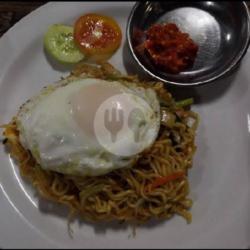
(12, 12)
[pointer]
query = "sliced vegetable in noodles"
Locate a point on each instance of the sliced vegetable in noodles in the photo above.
(185, 102)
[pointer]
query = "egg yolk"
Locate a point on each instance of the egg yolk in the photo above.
(86, 102)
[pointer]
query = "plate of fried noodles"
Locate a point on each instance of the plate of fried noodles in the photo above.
(185, 186)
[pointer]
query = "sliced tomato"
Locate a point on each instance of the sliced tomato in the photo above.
(97, 36)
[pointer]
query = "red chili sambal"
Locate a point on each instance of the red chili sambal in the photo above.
(170, 49)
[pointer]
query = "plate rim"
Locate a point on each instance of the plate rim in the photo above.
(54, 244)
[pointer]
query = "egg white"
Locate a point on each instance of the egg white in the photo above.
(48, 129)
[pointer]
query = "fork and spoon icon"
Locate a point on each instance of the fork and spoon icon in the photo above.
(114, 121)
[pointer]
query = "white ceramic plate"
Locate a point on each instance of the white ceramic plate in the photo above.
(219, 179)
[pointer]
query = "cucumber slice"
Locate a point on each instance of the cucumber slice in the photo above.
(59, 43)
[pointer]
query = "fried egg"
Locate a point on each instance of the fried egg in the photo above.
(57, 126)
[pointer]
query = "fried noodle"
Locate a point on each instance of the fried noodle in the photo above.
(127, 194)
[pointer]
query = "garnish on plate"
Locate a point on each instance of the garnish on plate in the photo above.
(97, 36)
(59, 43)
(93, 37)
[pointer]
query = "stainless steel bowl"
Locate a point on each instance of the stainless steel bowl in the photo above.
(221, 29)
